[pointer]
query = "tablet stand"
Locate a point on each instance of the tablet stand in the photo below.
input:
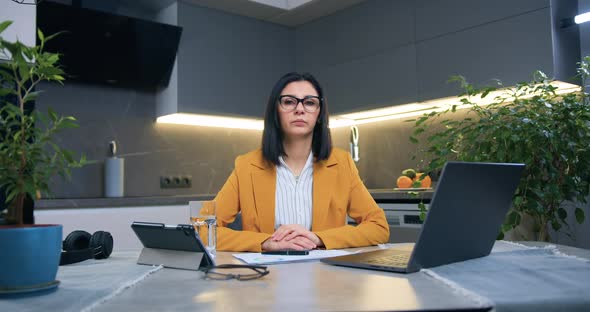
(176, 259)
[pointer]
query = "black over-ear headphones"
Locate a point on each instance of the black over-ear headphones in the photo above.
(80, 245)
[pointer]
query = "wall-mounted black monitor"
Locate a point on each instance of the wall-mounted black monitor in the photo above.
(103, 48)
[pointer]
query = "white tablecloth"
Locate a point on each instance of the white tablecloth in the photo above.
(107, 278)
(522, 279)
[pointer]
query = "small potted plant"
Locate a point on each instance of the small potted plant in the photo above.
(29, 158)
(532, 123)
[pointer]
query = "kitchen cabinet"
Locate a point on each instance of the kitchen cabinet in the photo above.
(226, 64)
(371, 55)
(408, 50)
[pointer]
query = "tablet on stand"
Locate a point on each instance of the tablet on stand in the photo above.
(172, 246)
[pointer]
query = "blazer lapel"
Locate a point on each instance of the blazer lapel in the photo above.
(324, 175)
(264, 185)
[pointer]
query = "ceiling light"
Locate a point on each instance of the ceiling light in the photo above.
(212, 121)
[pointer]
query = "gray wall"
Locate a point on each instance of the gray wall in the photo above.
(382, 52)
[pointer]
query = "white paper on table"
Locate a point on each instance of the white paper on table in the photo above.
(258, 258)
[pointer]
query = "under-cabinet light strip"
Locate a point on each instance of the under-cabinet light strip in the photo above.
(363, 117)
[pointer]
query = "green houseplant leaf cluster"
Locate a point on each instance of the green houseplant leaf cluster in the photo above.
(530, 124)
(29, 156)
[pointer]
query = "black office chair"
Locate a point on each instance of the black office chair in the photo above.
(237, 224)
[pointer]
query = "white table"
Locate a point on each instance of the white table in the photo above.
(305, 286)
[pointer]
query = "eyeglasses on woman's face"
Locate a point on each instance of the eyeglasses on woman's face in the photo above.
(237, 271)
(310, 103)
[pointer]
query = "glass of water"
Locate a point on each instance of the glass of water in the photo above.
(202, 217)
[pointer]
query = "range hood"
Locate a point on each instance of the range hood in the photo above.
(104, 48)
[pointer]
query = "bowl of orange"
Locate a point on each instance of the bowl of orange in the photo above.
(410, 179)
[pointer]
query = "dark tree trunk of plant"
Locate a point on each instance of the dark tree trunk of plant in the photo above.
(20, 201)
(28, 208)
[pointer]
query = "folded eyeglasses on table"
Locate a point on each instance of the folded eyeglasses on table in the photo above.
(227, 272)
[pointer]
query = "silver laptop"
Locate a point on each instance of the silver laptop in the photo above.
(463, 221)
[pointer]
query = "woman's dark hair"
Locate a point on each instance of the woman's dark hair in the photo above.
(272, 137)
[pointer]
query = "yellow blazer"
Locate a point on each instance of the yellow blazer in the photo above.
(337, 192)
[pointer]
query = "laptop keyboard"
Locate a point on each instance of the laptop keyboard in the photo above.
(399, 260)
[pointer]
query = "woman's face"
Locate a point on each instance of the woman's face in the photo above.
(299, 122)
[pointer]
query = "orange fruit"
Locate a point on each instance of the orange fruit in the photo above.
(426, 182)
(404, 182)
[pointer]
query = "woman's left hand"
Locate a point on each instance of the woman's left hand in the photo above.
(288, 232)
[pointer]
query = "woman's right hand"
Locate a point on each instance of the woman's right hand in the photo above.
(297, 243)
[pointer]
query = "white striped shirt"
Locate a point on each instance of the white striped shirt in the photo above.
(293, 198)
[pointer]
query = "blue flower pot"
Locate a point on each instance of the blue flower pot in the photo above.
(30, 257)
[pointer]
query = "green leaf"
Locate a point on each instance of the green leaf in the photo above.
(487, 91)
(422, 208)
(422, 216)
(10, 195)
(52, 114)
(24, 71)
(40, 35)
(67, 124)
(67, 155)
(54, 35)
(418, 131)
(31, 96)
(5, 92)
(579, 215)
(4, 25)
(52, 59)
(421, 120)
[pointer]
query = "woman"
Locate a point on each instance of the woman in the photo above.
(296, 191)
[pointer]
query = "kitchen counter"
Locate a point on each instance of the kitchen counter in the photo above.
(390, 196)
(114, 202)
(380, 196)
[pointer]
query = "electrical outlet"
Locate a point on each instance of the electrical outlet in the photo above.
(186, 181)
(166, 182)
(176, 181)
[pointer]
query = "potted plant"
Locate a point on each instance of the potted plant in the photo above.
(29, 158)
(531, 123)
